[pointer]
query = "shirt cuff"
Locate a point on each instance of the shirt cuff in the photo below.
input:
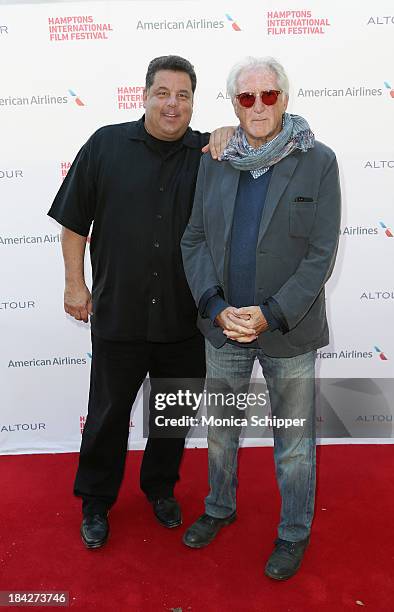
(214, 306)
(274, 316)
(272, 322)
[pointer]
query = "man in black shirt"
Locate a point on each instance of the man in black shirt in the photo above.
(136, 182)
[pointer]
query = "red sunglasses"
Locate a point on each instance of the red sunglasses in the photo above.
(248, 98)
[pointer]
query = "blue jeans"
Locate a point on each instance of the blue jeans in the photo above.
(291, 386)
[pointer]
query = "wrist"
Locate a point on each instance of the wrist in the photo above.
(74, 282)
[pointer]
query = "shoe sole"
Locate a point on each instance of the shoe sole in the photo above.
(172, 526)
(224, 524)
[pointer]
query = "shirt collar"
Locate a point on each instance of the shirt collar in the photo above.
(136, 131)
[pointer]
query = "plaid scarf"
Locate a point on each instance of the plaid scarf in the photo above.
(295, 134)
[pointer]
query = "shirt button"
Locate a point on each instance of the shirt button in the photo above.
(154, 300)
(156, 244)
(159, 217)
(155, 274)
(161, 188)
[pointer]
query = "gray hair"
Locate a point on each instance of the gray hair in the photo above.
(252, 63)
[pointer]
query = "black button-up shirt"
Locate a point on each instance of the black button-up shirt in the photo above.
(138, 192)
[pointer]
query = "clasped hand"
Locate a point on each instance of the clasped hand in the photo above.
(242, 324)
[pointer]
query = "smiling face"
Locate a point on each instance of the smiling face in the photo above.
(261, 123)
(168, 105)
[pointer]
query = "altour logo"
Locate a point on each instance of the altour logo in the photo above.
(377, 295)
(234, 25)
(379, 164)
(11, 174)
(222, 95)
(391, 90)
(189, 24)
(293, 23)
(381, 20)
(22, 427)
(382, 356)
(18, 305)
(76, 99)
(358, 231)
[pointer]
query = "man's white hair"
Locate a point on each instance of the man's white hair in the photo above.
(249, 64)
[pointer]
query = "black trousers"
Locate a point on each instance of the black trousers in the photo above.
(117, 372)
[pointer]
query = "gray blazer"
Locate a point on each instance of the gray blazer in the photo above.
(296, 246)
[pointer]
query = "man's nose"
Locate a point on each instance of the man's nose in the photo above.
(259, 106)
(172, 100)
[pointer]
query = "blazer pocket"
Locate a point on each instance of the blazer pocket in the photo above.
(301, 218)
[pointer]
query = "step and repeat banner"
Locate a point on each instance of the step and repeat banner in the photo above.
(68, 68)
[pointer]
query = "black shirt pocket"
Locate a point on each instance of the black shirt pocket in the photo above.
(301, 218)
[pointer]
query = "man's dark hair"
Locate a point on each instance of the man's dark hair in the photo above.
(170, 62)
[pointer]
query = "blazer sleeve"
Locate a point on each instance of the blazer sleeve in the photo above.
(299, 292)
(197, 261)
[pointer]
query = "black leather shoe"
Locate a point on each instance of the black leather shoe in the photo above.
(205, 529)
(286, 559)
(167, 512)
(95, 530)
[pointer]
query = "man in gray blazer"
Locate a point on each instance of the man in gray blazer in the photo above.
(259, 247)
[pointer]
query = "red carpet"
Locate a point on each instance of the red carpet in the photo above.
(146, 568)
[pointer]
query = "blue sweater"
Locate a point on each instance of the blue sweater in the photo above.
(249, 205)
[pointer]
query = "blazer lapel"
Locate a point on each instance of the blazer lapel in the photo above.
(281, 175)
(228, 191)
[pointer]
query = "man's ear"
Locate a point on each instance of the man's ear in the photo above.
(144, 97)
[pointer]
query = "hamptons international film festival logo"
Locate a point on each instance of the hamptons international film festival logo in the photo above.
(295, 23)
(71, 28)
(82, 423)
(349, 354)
(3, 30)
(129, 97)
(201, 23)
(380, 229)
(47, 99)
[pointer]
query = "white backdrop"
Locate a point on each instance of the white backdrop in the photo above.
(68, 68)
